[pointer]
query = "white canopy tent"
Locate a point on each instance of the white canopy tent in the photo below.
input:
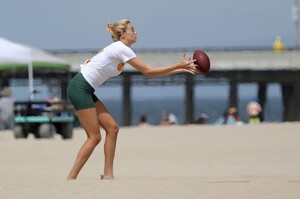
(14, 56)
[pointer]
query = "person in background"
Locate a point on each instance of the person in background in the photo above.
(254, 111)
(143, 121)
(229, 117)
(232, 117)
(6, 109)
(91, 111)
(169, 119)
(203, 119)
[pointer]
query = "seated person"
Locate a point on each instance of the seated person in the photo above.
(169, 119)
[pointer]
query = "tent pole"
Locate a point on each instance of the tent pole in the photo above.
(30, 79)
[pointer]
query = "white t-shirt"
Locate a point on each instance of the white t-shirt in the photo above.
(109, 62)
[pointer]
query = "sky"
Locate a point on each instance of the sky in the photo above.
(78, 24)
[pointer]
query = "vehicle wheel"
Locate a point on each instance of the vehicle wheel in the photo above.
(46, 131)
(20, 132)
(67, 130)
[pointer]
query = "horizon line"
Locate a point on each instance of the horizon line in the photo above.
(174, 49)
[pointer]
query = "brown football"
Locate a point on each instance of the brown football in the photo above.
(202, 60)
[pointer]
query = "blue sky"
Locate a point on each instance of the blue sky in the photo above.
(69, 24)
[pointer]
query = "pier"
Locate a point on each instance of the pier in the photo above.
(235, 67)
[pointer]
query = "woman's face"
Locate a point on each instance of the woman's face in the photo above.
(130, 34)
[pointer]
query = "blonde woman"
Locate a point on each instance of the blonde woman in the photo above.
(91, 112)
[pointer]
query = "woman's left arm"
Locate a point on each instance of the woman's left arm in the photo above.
(183, 65)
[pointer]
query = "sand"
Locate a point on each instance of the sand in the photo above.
(250, 161)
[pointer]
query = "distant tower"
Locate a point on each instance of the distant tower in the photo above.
(295, 17)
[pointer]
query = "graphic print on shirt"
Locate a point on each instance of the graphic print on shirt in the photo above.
(120, 66)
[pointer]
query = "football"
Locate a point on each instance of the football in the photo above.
(202, 60)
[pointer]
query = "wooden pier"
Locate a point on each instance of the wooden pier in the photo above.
(234, 67)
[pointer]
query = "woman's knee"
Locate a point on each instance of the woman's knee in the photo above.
(113, 129)
(95, 138)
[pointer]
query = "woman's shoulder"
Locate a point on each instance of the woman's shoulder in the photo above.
(117, 44)
(119, 48)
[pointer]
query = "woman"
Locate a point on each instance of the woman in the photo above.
(90, 110)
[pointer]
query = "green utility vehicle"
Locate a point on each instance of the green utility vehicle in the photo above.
(43, 119)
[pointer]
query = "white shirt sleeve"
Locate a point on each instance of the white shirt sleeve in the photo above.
(125, 53)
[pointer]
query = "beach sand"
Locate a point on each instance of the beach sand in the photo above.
(250, 161)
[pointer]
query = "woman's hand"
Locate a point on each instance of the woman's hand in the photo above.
(187, 65)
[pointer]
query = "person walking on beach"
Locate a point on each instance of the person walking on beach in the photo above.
(91, 112)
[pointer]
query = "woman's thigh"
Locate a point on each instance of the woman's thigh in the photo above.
(89, 121)
(105, 119)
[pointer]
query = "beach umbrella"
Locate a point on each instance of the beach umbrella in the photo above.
(18, 57)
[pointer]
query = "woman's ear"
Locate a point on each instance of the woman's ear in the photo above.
(123, 34)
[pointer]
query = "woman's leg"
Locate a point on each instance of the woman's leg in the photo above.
(111, 128)
(89, 122)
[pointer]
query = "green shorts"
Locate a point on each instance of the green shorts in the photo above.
(81, 93)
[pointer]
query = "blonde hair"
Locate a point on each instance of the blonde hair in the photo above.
(115, 29)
